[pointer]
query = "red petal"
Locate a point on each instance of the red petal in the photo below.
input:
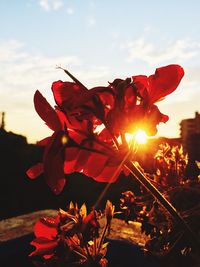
(81, 160)
(70, 159)
(107, 98)
(41, 229)
(50, 221)
(141, 82)
(108, 175)
(105, 136)
(90, 219)
(164, 81)
(154, 117)
(87, 95)
(53, 163)
(130, 98)
(95, 164)
(35, 171)
(66, 93)
(46, 112)
(44, 247)
(44, 141)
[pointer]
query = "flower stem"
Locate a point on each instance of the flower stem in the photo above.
(73, 78)
(117, 171)
(102, 237)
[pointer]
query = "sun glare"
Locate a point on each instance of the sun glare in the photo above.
(139, 137)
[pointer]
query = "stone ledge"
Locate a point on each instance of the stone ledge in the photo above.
(22, 225)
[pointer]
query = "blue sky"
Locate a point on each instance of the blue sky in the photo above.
(97, 40)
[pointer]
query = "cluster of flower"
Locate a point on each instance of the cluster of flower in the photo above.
(73, 237)
(88, 123)
(87, 126)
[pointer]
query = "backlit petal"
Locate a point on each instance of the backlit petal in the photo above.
(35, 171)
(46, 112)
(53, 163)
(164, 81)
(41, 229)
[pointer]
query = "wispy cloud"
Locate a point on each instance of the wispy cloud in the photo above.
(91, 21)
(49, 5)
(95, 75)
(151, 53)
(24, 66)
(193, 76)
(23, 72)
(70, 10)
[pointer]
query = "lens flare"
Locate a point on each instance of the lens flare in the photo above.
(141, 137)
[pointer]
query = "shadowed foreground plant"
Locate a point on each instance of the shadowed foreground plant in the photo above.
(88, 125)
(165, 235)
(73, 238)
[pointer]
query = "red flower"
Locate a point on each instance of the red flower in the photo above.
(162, 83)
(90, 226)
(53, 158)
(46, 240)
(85, 121)
(154, 88)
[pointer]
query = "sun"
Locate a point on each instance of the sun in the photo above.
(140, 137)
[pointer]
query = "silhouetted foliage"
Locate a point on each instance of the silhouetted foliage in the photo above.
(19, 194)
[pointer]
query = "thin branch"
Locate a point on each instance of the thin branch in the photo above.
(119, 168)
(73, 78)
(102, 237)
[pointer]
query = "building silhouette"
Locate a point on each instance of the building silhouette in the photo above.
(2, 126)
(190, 136)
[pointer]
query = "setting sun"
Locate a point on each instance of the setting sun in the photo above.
(139, 137)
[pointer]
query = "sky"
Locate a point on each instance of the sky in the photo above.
(97, 41)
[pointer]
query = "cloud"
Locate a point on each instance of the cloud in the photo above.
(151, 53)
(22, 73)
(192, 76)
(49, 5)
(70, 11)
(20, 67)
(91, 4)
(91, 21)
(95, 76)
